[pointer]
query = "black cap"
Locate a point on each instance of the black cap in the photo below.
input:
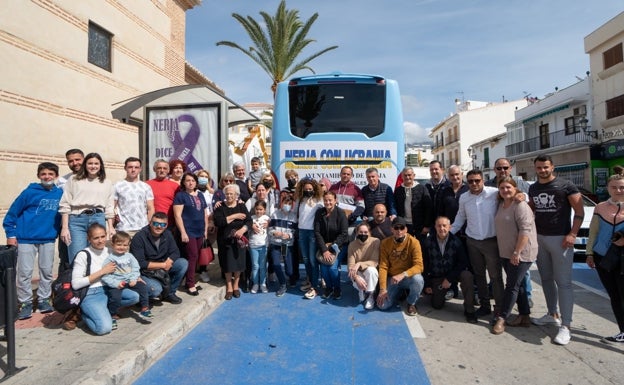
(399, 221)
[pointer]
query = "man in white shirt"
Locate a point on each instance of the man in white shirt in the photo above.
(134, 199)
(477, 208)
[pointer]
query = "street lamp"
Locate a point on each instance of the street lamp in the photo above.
(592, 133)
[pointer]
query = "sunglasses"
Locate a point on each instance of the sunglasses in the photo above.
(399, 227)
(159, 224)
(474, 181)
(228, 180)
(502, 168)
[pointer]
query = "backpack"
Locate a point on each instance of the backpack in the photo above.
(64, 297)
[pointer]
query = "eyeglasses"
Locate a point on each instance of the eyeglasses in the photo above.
(398, 227)
(502, 168)
(159, 224)
(474, 181)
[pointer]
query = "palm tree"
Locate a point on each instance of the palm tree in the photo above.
(276, 48)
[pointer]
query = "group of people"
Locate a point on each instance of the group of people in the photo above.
(143, 239)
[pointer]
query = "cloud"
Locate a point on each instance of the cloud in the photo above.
(414, 133)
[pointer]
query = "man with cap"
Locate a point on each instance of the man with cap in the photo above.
(400, 267)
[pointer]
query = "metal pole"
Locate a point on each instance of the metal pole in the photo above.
(9, 329)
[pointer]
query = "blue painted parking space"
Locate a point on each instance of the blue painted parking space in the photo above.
(263, 339)
(587, 276)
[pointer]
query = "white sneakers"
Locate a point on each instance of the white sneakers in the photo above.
(370, 302)
(547, 319)
(264, 288)
(204, 277)
(563, 337)
(254, 288)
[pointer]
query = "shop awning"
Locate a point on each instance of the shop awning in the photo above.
(548, 112)
(572, 167)
(131, 111)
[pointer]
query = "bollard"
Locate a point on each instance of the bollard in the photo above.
(8, 303)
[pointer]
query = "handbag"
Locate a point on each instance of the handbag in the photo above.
(320, 259)
(206, 254)
(612, 258)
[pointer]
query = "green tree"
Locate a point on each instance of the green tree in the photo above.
(277, 47)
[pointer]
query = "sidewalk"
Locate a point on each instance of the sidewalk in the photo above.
(452, 350)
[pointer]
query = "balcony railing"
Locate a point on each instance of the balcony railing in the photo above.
(555, 139)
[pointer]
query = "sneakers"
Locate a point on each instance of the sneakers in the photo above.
(547, 319)
(44, 306)
(370, 302)
(114, 324)
(563, 337)
(310, 294)
(411, 310)
(25, 311)
(281, 291)
(204, 277)
(306, 287)
(616, 338)
(146, 316)
(327, 292)
(264, 289)
(254, 288)
(483, 310)
(337, 294)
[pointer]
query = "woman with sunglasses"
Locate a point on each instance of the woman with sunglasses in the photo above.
(219, 196)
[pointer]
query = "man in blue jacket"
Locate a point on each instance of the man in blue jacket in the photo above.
(32, 224)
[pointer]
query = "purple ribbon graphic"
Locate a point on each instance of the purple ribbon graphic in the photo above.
(183, 147)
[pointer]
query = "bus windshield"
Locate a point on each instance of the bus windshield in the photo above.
(337, 107)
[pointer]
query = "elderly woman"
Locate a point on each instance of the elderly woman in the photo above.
(219, 196)
(607, 226)
(177, 168)
(233, 221)
(362, 259)
(517, 247)
(331, 230)
(189, 210)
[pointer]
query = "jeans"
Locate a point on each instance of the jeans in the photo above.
(176, 273)
(120, 297)
(555, 267)
(78, 226)
(330, 273)
(258, 264)
(414, 284)
(26, 254)
(276, 253)
(307, 245)
(515, 291)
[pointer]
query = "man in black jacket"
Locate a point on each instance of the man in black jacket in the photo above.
(158, 255)
(446, 262)
(412, 202)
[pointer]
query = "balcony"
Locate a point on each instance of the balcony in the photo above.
(555, 139)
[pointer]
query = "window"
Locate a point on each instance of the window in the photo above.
(544, 136)
(486, 157)
(570, 126)
(100, 43)
(615, 107)
(612, 56)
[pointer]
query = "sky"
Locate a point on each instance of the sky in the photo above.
(438, 50)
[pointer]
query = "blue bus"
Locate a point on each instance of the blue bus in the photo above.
(324, 122)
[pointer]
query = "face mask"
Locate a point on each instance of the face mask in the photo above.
(400, 240)
(308, 194)
(362, 237)
(286, 208)
(202, 181)
(47, 183)
(292, 183)
(267, 184)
